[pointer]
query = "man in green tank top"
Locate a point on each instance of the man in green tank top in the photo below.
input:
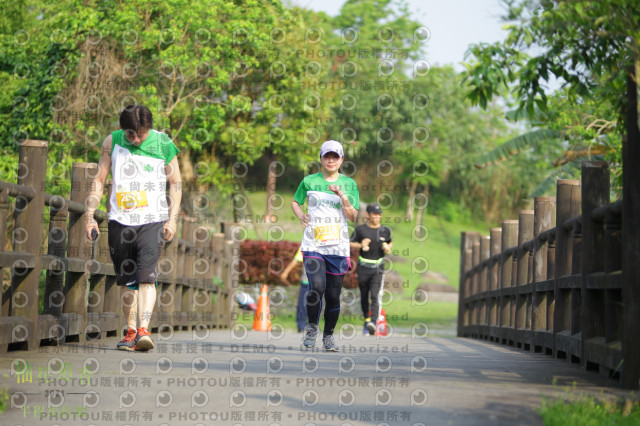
(141, 161)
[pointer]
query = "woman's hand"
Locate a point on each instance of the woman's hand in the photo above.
(336, 190)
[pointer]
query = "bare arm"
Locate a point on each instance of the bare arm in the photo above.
(97, 186)
(350, 211)
(285, 274)
(175, 198)
(297, 210)
(354, 243)
(364, 245)
(387, 247)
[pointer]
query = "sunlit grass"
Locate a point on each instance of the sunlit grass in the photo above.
(586, 411)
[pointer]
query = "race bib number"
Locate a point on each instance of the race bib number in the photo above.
(128, 201)
(326, 235)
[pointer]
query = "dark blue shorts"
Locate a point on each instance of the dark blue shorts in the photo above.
(334, 265)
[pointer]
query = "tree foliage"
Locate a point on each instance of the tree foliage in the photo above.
(237, 82)
(588, 47)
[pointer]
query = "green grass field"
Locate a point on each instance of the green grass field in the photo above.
(440, 249)
(586, 411)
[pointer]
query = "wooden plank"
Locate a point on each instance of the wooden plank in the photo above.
(17, 259)
(597, 351)
(52, 327)
(15, 329)
(542, 340)
(570, 282)
(604, 281)
(547, 285)
(509, 291)
(526, 289)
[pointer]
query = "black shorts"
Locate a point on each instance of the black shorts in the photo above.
(135, 251)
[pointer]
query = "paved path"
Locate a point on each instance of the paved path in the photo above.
(252, 378)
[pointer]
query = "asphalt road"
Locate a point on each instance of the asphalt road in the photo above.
(242, 377)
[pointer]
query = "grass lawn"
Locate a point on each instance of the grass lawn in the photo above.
(440, 250)
(586, 411)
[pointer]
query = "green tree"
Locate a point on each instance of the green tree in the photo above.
(208, 70)
(588, 46)
(379, 44)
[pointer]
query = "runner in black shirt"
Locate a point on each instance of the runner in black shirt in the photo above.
(374, 241)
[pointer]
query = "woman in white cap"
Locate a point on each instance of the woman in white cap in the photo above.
(333, 199)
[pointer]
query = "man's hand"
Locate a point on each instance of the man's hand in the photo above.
(169, 228)
(89, 225)
(385, 248)
(365, 244)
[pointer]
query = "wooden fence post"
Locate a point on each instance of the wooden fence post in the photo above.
(97, 322)
(494, 283)
(169, 273)
(54, 281)
(203, 271)
(78, 252)
(595, 193)
(631, 238)
(544, 217)
(4, 214)
(112, 308)
(27, 238)
(188, 289)
(178, 315)
(569, 202)
(57, 244)
(217, 244)
(507, 293)
(466, 243)
(522, 325)
(485, 252)
(475, 285)
(233, 235)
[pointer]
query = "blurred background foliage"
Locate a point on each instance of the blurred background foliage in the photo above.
(249, 89)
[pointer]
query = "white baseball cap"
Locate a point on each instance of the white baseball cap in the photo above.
(331, 146)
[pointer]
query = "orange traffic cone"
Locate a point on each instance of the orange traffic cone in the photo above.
(262, 320)
(381, 326)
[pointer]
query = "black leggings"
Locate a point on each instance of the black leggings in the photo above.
(322, 283)
(370, 281)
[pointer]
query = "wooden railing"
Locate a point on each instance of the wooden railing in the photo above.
(551, 281)
(196, 273)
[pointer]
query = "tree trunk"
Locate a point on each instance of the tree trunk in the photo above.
(410, 203)
(188, 181)
(423, 206)
(271, 187)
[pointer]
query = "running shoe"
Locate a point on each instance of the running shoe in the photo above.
(144, 342)
(371, 327)
(129, 341)
(310, 335)
(328, 344)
